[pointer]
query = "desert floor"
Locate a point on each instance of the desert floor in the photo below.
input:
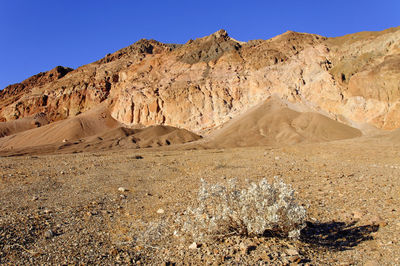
(68, 208)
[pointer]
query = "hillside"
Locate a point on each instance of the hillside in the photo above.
(205, 82)
(273, 123)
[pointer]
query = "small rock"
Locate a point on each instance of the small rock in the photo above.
(295, 259)
(122, 189)
(193, 245)
(114, 252)
(160, 211)
(62, 172)
(284, 261)
(376, 220)
(64, 140)
(122, 196)
(357, 214)
(292, 252)
(34, 198)
(48, 234)
(246, 248)
(243, 246)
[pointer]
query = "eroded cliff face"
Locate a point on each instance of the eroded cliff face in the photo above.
(367, 69)
(200, 85)
(10, 96)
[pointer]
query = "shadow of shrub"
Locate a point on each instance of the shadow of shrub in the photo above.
(337, 236)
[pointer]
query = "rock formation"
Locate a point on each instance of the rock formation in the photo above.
(202, 84)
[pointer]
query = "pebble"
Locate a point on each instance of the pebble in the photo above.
(243, 247)
(292, 252)
(193, 245)
(376, 220)
(122, 189)
(357, 215)
(160, 211)
(48, 234)
(246, 248)
(34, 198)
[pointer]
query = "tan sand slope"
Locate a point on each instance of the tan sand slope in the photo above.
(26, 123)
(165, 135)
(393, 136)
(84, 125)
(273, 123)
(153, 136)
(92, 130)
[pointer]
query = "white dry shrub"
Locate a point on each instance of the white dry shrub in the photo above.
(153, 232)
(221, 211)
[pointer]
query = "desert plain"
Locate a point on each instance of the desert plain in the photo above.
(67, 208)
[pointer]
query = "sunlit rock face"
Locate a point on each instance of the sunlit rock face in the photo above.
(202, 84)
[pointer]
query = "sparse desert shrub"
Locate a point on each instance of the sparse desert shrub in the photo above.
(224, 210)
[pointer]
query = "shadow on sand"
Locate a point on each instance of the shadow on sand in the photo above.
(336, 235)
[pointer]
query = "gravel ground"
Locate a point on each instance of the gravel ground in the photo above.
(117, 207)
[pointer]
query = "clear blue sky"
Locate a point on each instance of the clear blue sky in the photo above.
(37, 35)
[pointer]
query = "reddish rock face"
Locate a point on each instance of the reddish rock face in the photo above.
(13, 93)
(207, 81)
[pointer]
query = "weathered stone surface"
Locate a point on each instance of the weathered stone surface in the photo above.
(202, 84)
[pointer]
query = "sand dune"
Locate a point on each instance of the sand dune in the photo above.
(90, 131)
(153, 136)
(165, 135)
(26, 123)
(84, 125)
(273, 123)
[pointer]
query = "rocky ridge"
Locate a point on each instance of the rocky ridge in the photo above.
(204, 83)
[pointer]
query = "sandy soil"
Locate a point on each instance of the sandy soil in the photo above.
(67, 208)
(93, 130)
(23, 124)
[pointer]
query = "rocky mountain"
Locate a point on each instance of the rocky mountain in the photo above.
(200, 85)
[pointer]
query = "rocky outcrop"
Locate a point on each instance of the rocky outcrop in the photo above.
(80, 90)
(366, 67)
(13, 93)
(207, 81)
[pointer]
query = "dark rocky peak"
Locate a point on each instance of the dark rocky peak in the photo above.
(58, 72)
(207, 48)
(139, 48)
(35, 81)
